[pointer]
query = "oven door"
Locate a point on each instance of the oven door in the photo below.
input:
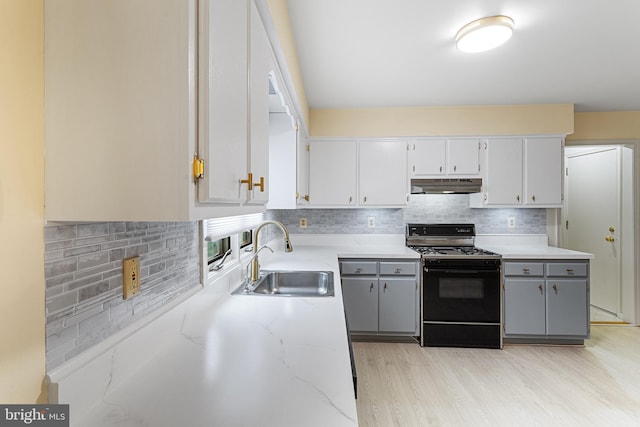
(455, 292)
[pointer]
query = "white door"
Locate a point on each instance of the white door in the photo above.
(593, 215)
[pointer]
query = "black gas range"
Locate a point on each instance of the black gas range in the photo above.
(461, 287)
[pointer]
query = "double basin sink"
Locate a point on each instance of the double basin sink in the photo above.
(291, 284)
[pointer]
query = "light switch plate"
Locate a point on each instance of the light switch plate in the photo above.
(130, 277)
(303, 223)
(511, 222)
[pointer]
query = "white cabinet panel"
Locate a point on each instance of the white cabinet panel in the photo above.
(223, 95)
(462, 157)
(259, 68)
(543, 171)
(429, 157)
(332, 173)
(383, 173)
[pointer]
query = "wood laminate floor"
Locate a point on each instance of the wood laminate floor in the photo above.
(596, 385)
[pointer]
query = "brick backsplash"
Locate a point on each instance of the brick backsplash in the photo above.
(423, 208)
(83, 276)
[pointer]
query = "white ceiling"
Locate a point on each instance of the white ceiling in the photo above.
(386, 53)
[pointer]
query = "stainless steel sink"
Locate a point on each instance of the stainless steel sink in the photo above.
(291, 284)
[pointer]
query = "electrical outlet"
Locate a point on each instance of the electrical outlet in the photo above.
(130, 277)
(511, 222)
(303, 223)
(371, 221)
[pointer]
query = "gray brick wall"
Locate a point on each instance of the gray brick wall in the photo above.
(423, 208)
(83, 276)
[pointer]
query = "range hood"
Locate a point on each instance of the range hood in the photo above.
(446, 186)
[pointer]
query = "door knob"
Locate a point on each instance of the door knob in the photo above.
(610, 239)
(611, 229)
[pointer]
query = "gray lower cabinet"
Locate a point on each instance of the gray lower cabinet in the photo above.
(546, 300)
(381, 296)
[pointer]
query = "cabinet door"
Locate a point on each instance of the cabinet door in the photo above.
(567, 307)
(360, 296)
(524, 307)
(223, 94)
(332, 173)
(429, 157)
(397, 304)
(503, 185)
(259, 68)
(543, 171)
(462, 157)
(383, 173)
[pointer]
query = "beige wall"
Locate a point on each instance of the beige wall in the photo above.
(280, 15)
(22, 316)
(606, 125)
(443, 121)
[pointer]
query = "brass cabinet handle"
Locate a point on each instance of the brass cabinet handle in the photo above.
(541, 291)
(248, 181)
(260, 184)
(610, 239)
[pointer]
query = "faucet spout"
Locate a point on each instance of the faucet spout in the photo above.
(255, 265)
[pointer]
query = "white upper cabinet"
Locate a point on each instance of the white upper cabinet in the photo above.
(462, 157)
(543, 171)
(457, 157)
(130, 86)
(520, 172)
(332, 173)
(351, 173)
(429, 157)
(382, 176)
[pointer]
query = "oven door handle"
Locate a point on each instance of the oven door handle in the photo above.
(461, 271)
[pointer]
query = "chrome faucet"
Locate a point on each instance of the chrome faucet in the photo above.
(255, 265)
(220, 265)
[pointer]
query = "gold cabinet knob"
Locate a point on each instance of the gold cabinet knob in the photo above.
(610, 239)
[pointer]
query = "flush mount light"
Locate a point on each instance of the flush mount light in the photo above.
(484, 34)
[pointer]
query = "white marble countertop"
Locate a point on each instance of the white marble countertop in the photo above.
(253, 360)
(527, 247)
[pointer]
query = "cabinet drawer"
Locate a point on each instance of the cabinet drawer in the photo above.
(359, 267)
(398, 268)
(523, 269)
(565, 269)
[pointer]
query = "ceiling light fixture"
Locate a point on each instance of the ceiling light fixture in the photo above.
(484, 34)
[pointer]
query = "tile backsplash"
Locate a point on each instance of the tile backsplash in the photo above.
(83, 275)
(423, 208)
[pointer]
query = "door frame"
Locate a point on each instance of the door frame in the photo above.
(634, 145)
